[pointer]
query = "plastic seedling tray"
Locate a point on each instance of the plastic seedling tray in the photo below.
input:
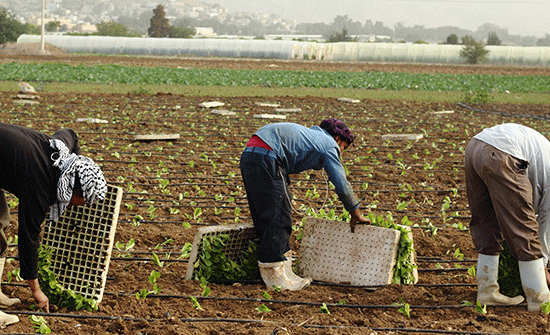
(240, 236)
(81, 242)
(330, 252)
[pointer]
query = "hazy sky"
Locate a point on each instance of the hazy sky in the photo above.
(520, 17)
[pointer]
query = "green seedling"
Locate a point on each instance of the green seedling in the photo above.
(165, 243)
(405, 310)
(481, 309)
(185, 251)
(39, 323)
(205, 288)
(125, 247)
(266, 295)
(324, 308)
(263, 308)
(196, 304)
(157, 260)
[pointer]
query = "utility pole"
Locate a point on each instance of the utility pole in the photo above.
(42, 34)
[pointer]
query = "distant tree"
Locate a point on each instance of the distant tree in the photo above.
(113, 29)
(32, 29)
(10, 27)
(181, 32)
(493, 39)
(452, 39)
(545, 41)
(341, 37)
(159, 26)
(420, 42)
(473, 51)
(52, 26)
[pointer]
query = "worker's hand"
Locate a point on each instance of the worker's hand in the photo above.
(41, 300)
(356, 216)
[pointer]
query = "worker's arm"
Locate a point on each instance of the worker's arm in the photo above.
(41, 300)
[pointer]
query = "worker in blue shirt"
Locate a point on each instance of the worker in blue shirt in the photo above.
(273, 153)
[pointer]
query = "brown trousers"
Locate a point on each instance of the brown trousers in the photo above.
(500, 197)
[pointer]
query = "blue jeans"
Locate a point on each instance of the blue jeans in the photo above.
(266, 188)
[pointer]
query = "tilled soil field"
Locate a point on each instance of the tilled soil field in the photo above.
(420, 179)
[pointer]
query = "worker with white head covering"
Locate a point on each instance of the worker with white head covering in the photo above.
(43, 172)
(507, 169)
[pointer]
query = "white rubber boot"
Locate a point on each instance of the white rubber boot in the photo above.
(4, 300)
(533, 280)
(274, 274)
(7, 319)
(289, 271)
(487, 285)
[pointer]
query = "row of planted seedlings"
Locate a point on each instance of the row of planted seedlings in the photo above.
(158, 183)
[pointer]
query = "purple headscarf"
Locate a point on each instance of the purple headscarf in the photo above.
(336, 127)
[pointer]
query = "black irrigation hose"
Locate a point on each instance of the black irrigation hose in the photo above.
(302, 303)
(228, 320)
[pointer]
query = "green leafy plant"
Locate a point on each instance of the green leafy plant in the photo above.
(214, 265)
(123, 247)
(55, 292)
(508, 273)
(196, 304)
(39, 323)
(324, 308)
(263, 308)
(479, 308)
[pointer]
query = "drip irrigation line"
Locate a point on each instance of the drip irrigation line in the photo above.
(137, 259)
(446, 261)
(230, 320)
(444, 270)
(294, 302)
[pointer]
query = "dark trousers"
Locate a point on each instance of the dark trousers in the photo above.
(266, 190)
(500, 197)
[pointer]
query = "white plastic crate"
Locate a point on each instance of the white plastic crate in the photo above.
(81, 242)
(330, 252)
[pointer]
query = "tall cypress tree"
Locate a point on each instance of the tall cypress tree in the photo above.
(159, 26)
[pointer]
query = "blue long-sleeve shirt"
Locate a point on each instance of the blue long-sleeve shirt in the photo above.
(300, 148)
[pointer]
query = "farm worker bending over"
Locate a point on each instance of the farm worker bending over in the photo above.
(272, 153)
(508, 187)
(42, 172)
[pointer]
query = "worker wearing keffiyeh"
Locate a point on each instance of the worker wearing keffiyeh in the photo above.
(273, 153)
(43, 172)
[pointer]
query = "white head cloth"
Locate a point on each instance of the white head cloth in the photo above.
(94, 186)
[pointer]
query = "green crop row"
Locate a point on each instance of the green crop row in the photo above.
(263, 78)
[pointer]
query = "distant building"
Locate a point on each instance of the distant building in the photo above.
(204, 32)
(86, 28)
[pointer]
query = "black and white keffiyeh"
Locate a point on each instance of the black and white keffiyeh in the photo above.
(94, 186)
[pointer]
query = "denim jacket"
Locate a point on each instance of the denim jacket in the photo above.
(299, 148)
